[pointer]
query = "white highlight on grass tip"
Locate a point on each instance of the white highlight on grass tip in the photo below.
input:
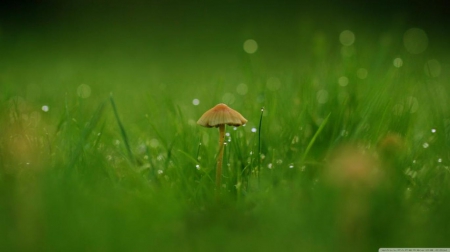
(45, 108)
(250, 46)
(196, 102)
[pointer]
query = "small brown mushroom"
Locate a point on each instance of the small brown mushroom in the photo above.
(219, 116)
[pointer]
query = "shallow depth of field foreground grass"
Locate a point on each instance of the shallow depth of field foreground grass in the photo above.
(100, 150)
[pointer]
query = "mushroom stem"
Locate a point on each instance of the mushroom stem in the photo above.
(220, 157)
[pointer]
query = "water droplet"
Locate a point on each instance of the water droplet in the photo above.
(425, 145)
(269, 166)
(160, 172)
(440, 160)
(197, 167)
(291, 166)
(414, 161)
(279, 161)
(227, 134)
(45, 108)
(234, 128)
(196, 102)
(253, 130)
(433, 130)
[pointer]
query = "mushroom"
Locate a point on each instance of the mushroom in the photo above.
(219, 116)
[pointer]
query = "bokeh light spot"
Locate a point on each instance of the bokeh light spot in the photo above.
(250, 46)
(45, 108)
(242, 89)
(398, 62)
(347, 38)
(273, 84)
(84, 91)
(228, 98)
(415, 40)
(362, 73)
(343, 81)
(322, 96)
(432, 68)
(196, 102)
(412, 104)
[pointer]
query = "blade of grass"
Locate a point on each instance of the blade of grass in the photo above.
(311, 143)
(122, 131)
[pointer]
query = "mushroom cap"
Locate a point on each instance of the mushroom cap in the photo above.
(221, 114)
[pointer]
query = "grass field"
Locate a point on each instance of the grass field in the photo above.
(100, 150)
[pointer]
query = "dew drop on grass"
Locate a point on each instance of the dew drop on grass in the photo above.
(235, 128)
(425, 145)
(433, 130)
(269, 166)
(253, 130)
(279, 161)
(440, 160)
(291, 166)
(196, 102)
(45, 108)
(227, 134)
(160, 172)
(197, 167)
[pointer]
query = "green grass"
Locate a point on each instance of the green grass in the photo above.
(127, 168)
